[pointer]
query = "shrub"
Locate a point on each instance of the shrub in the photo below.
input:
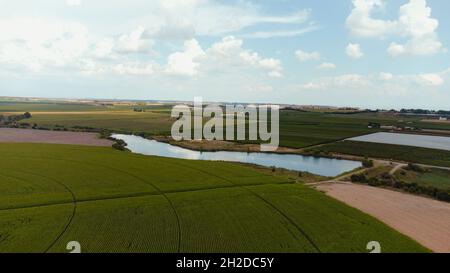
(415, 168)
(387, 178)
(120, 145)
(105, 134)
(359, 178)
(375, 182)
(367, 163)
(443, 196)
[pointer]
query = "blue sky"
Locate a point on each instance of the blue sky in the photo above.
(365, 53)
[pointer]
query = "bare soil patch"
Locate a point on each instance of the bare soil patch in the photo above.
(53, 137)
(425, 220)
(436, 121)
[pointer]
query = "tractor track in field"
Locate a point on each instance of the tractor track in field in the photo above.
(127, 196)
(164, 194)
(280, 212)
(120, 171)
(74, 202)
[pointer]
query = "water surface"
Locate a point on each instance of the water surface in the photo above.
(320, 166)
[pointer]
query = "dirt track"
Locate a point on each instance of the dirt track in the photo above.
(54, 137)
(425, 220)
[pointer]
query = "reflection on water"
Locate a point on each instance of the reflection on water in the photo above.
(320, 166)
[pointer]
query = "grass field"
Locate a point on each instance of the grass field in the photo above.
(436, 178)
(297, 129)
(387, 151)
(11, 106)
(113, 201)
(156, 123)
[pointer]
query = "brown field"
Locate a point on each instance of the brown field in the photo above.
(51, 137)
(436, 121)
(425, 220)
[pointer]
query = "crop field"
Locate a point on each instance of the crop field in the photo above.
(155, 122)
(437, 178)
(297, 129)
(112, 201)
(387, 151)
(11, 106)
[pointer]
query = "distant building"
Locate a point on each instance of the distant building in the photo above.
(443, 118)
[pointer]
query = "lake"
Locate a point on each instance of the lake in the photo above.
(320, 166)
(432, 142)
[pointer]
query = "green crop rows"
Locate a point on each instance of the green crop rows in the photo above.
(113, 201)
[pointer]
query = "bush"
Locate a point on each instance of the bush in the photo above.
(359, 178)
(375, 182)
(415, 168)
(367, 163)
(105, 134)
(120, 145)
(386, 180)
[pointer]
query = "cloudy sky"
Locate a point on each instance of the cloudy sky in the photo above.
(367, 53)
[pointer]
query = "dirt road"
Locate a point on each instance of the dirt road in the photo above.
(425, 220)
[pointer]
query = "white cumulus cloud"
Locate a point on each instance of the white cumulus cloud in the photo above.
(386, 76)
(34, 43)
(354, 51)
(431, 79)
(304, 56)
(327, 66)
(134, 42)
(229, 52)
(185, 62)
(414, 24)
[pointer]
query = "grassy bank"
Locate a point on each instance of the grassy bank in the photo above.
(439, 179)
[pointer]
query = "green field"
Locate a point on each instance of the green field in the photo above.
(112, 201)
(303, 129)
(155, 123)
(436, 178)
(11, 106)
(297, 129)
(387, 151)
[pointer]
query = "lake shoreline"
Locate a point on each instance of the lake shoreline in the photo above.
(327, 167)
